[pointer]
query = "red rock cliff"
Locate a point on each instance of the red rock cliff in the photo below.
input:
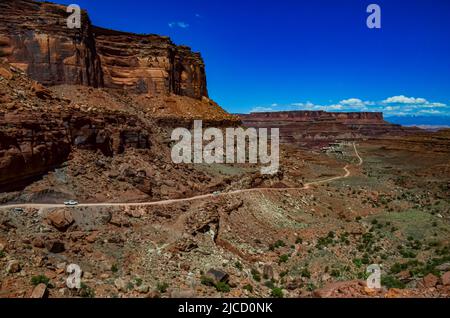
(150, 64)
(34, 37)
(308, 128)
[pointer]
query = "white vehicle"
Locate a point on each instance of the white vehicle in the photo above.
(216, 193)
(71, 203)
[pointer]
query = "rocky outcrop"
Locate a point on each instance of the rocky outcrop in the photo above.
(150, 64)
(33, 144)
(34, 37)
(38, 130)
(308, 128)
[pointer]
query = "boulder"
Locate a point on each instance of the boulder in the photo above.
(6, 74)
(120, 284)
(55, 246)
(13, 266)
(61, 219)
(40, 291)
(446, 279)
(268, 272)
(430, 280)
(217, 276)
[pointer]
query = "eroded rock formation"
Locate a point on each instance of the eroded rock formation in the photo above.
(321, 127)
(38, 130)
(150, 64)
(34, 37)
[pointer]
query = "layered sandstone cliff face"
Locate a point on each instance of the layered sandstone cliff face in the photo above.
(38, 130)
(308, 128)
(34, 37)
(150, 64)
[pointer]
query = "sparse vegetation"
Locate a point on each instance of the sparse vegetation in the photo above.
(222, 287)
(86, 291)
(40, 279)
(114, 268)
(162, 287)
(283, 258)
(277, 292)
(256, 275)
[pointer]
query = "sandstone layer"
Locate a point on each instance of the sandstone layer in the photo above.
(34, 37)
(321, 127)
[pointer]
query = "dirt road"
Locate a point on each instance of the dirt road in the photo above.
(199, 197)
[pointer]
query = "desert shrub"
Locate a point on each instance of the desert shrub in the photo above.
(283, 258)
(249, 288)
(222, 287)
(277, 244)
(305, 273)
(335, 273)
(114, 268)
(86, 291)
(40, 279)
(277, 292)
(270, 284)
(391, 282)
(256, 275)
(162, 287)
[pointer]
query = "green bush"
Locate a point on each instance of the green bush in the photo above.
(335, 273)
(283, 258)
(391, 282)
(277, 292)
(358, 262)
(40, 279)
(276, 245)
(305, 273)
(249, 288)
(256, 275)
(269, 284)
(206, 281)
(162, 287)
(222, 287)
(86, 291)
(114, 268)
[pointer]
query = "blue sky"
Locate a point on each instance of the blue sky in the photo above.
(294, 54)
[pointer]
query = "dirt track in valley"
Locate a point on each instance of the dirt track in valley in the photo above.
(199, 197)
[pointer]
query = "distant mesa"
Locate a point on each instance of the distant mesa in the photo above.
(309, 128)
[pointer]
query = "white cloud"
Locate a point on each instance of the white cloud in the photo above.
(179, 24)
(352, 102)
(393, 106)
(401, 99)
(430, 111)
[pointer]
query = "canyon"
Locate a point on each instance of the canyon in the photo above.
(87, 115)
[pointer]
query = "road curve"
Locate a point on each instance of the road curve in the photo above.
(198, 197)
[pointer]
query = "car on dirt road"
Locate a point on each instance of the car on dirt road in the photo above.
(71, 203)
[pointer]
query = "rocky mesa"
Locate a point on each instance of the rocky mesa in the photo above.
(306, 128)
(35, 38)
